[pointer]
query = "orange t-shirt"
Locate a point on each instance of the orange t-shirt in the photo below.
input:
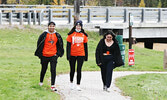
(77, 41)
(50, 48)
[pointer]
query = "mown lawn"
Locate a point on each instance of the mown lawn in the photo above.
(20, 69)
(144, 87)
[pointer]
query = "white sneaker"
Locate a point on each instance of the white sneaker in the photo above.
(78, 88)
(53, 88)
(40, 84)
(71, 86)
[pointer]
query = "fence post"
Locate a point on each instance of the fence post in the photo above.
(29, 18)
(125, 15)
(159, 15)
(50, 15)
(0, 17)
(143, 16)
(34, 17)
(21, 18)
(69, 16)
(89, 15)
(39, 18)
(10, 18)
(165, 59)
(107, 15)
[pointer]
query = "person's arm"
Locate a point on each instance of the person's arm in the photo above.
(118, 59)
(68, 50)
(60, 50)
(97, 54)
(86, 51)
(40, 41)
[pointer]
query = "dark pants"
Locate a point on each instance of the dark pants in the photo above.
(72, 61)
(44, 63)
(107, 69)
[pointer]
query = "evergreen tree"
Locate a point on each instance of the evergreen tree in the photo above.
(142, 4)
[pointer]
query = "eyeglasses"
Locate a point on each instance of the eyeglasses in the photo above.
(108, 37)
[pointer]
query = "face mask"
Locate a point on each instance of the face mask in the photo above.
(77, 30)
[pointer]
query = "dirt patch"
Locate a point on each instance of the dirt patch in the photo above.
(156, 46)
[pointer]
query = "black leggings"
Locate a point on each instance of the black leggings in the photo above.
(44, 63)
(72, 61)
(107, 70)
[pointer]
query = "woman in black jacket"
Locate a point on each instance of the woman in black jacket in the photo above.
(108, 57)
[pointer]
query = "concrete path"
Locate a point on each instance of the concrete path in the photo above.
(92, 87)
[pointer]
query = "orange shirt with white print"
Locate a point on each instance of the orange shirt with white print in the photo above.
(50, 48)
(77, 41)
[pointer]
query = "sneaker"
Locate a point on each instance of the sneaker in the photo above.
(78, 88)
(53, 88)
(104, 88)
(71, 86)
(40, 84)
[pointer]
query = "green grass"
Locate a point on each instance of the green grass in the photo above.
(144, 87)
(145, 60)
(20, 69)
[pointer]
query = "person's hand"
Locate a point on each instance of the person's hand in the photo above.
(68, 58)
(99, 64)
(85, 58)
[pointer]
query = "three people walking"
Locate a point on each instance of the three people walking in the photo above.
(50, 47)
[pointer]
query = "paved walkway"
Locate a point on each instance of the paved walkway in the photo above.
(92, 87)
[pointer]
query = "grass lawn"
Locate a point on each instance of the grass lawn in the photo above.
(144, 87)
(20, 69)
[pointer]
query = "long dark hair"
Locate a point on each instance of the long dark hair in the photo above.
(109, 32)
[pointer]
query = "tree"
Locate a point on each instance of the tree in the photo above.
(61, 2)
(159, 4)
(119, 2)
(11, 1)
(92, 2)
(142, 4)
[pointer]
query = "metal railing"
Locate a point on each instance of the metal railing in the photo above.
(38, 15)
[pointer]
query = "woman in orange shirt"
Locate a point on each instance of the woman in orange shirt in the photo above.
(77, 51)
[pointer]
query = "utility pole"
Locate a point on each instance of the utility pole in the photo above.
(131, 59)
(130, 30)
(76, 10)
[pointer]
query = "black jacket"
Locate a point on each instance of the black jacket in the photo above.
(40, 45)
(68, 48)
(117, 55)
